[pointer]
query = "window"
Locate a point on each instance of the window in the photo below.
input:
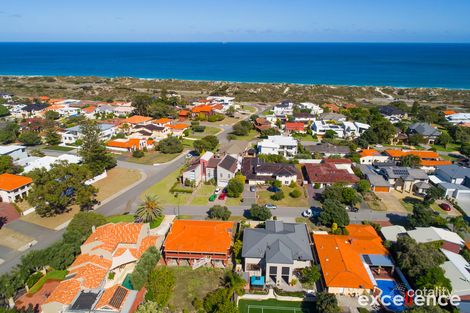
(285, 271)
(272, 270)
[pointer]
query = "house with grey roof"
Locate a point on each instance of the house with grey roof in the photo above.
(404, 179)
(428, 132)
(259, 172)
(455, 181)
(327, 149)
(276, 251)
(226, 170)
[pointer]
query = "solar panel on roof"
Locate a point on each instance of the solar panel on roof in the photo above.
(118, 297)
(84, 301)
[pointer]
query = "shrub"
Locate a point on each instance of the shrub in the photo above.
(278, 195)
(198, 128)
(296, 193)
(215, 118)
(161, 282)
(33, 279)
(260, 213)
(219, 212)
(170, 145)
(143, 268)
(234, 188)
(138, 154)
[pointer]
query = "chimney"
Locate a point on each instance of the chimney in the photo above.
(93, 228)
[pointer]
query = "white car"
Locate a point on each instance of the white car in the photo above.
(188, 156)
(307, 213)
(217, 190)
(270, 206)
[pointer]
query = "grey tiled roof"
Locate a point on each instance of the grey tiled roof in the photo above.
(278, 242)
(424, 129)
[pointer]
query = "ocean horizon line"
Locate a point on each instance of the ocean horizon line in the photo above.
(246, 42)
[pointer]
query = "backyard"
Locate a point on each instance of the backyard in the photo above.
(209, 130)
(275, 306)
(152, 157)
(264, 197)
(162, 190)
(193, 284)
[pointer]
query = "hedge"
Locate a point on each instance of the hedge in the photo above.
(146, 264)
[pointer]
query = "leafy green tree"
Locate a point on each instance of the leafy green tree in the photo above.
(207, 143)
(333, 212)
(218, 302)
(415, 139)
(434, 193)
(433, 277)
(29, 138)
(416, 259)
(93, 151)
(141, 103)
(309, 276)
(363, 186)
(160, 285)
(56, 190)
(170, 145)
(380, 132)
(242, 128)
(444, 139)
(4, 111)
(235, 188)
(218, 212)
(52, 115)
(52, 138)
(276, 183)
(7, 165)
(296, 193)
(9, 133)
(330, 134)
(327, 303)
(465, 149)
(459, 224)
(150, 209)
(277, 196)
(144, 267)
(80, 227)
(350, 196)
(260, 213)
(411, 161)
(423, 216)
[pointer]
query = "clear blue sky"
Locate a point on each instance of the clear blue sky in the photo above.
(236, 20)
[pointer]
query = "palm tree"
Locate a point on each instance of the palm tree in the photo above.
(458, 223)
(234, 283)
(150, 209)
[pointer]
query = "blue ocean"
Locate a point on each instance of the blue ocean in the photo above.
(378, 64)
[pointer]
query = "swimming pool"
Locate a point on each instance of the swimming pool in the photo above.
(127, 282)
(390, 288)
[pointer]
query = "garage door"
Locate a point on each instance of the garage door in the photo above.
(381, 189)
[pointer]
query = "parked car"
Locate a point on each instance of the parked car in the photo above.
(352, 209)
(270, 206)
(188, 156)
(307, 213)
(222, 196)
(274, 189)
(212, 197)
(445, 206)
(217, 190)
(252, 188)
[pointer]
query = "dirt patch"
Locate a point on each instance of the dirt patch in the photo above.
(391, 201)
(14, 240)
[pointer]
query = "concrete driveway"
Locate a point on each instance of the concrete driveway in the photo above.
(249, 197)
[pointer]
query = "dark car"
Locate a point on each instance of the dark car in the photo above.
(445, 206)
(252, 188)
(274, 189)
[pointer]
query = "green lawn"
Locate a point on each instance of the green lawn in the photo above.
(153, 157)
(191, 284)
(52, 275)
(156, 222)
(232, 201)
(450, 147)
(209, 130)
(188, 143)
(275, 306)
(127, 218)
(162, 190)
(249, 108)
(264, 197)
(58, 148)
(251, 135)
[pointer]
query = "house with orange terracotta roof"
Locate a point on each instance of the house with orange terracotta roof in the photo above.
(164, 121)
(331, 107)
(14, 187)
(177, 129)
(130, 144)
(203, 110)
(183, 115)
(88, 286)
(370, 156)
(448, 112)
(351, 264)
(138, 120)
(428, 159)
(198, 243)
(297, 127)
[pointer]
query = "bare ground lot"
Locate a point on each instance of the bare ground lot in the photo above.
(12, 239)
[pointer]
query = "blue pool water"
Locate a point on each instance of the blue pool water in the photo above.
(127, 282)
(391, 64)
(390, 288)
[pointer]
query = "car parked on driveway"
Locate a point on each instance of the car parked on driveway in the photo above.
(270, 206)
(445, 207)
(252, 188)
(222, 196)
(307, 213)
(212, 197)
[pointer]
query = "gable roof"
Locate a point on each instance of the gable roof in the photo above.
(110, 235)
(328, 148)
(278, 242)
(199, 236)
(113, 297)
(389, 110)
(137, 119)
(340, 256)
(295, 126)
(454, 171)
(9, 182)
(430, 234)
(369, 152)
(65, 292)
